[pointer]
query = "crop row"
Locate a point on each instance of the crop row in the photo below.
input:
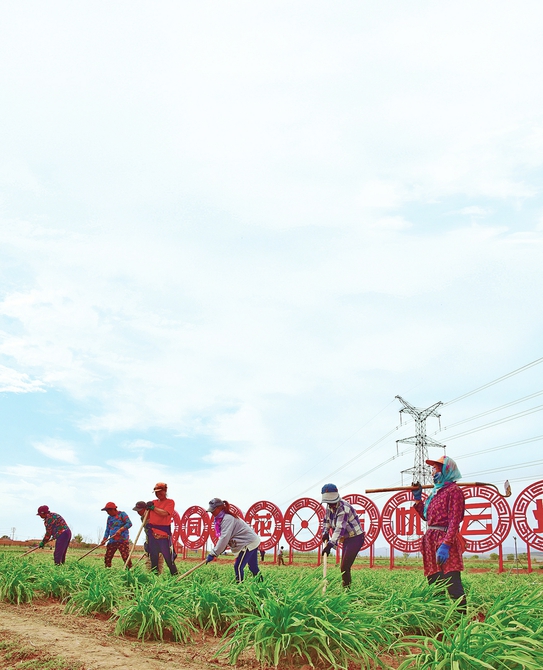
(387, 619)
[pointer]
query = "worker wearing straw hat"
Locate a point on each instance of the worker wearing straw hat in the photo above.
(116, 534)
(159, 532)
(341, 520)
(442, 545)
(238, 535)
(56, 529)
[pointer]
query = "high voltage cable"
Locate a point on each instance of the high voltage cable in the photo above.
(393, 458)
(496, 381)
(354, 459)
(505, 467)
(503, 446)
(450, 402)
(490, 411)
(538, 408)
(338, 447)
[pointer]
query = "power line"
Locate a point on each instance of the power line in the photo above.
(505, 467)
(393, 458)
(506, 419)
(496, 381)
(503, 446)
(335, 450)
(331, 474)
(491, 411)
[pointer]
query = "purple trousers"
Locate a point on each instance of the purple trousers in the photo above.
(61, 546)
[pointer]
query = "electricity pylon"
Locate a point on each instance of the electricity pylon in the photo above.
(421, 471)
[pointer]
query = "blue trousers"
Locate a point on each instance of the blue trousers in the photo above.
(249, 559)
(162, 546)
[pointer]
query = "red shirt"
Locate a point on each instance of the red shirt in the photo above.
(158, 519)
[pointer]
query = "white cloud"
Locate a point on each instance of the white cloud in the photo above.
(58, 450)
(12, 381)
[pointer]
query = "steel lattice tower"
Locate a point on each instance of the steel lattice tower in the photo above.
(421, 471)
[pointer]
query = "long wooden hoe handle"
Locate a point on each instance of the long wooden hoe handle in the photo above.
(31, 550)
(90, 551)
(187, 573)
(137, 538)
(507, 488)
(324, 569)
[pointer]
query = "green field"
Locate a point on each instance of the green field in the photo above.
(389, 619)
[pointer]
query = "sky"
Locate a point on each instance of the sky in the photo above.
(232, 233)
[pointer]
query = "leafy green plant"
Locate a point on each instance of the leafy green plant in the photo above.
(17, 582)
(57, 583)
(302, 625)
(100, 593)
(473, 645)
(153, 610)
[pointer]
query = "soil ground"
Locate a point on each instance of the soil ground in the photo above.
(89, 642)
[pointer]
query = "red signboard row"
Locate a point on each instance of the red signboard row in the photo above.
(486, 525)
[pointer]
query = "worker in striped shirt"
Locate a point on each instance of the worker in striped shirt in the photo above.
(341, 525)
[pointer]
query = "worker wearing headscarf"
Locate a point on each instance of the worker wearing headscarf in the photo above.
(235, 533)
(443, 511)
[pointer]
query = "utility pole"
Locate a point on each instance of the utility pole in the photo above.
(13, 532)
(421, 472)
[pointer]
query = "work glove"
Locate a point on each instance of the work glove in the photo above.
(210, 557)
(442, 554)
(150, 505)
(41, 545)
(417, 493)
(327, 549)
(325, 537)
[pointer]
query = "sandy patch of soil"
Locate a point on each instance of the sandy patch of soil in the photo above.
(91, 641)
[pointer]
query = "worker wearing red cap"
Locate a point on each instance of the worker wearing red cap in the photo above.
(159, 521)
(55, 529)
(443, 511)
(116, 534)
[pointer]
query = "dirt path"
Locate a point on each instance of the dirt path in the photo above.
(91, 641)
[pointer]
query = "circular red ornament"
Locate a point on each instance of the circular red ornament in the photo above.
(212, 533)
(176, 523)
(531, 494)
(194, 524)
(406, 522)
(260, 517)
(314, 513)
(504, 520)
(366, 509)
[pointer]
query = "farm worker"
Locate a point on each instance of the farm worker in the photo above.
(280, 559)
(116, 534)
(159, 532)
(341, 525)
(262, 555)
(141, 507)
(442, 546)
(238, 535)
(57, 529)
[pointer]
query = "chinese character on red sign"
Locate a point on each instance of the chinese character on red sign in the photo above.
(408, 522)
(262, 524)
(476, 524)
(538, 513)
(194, 526)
